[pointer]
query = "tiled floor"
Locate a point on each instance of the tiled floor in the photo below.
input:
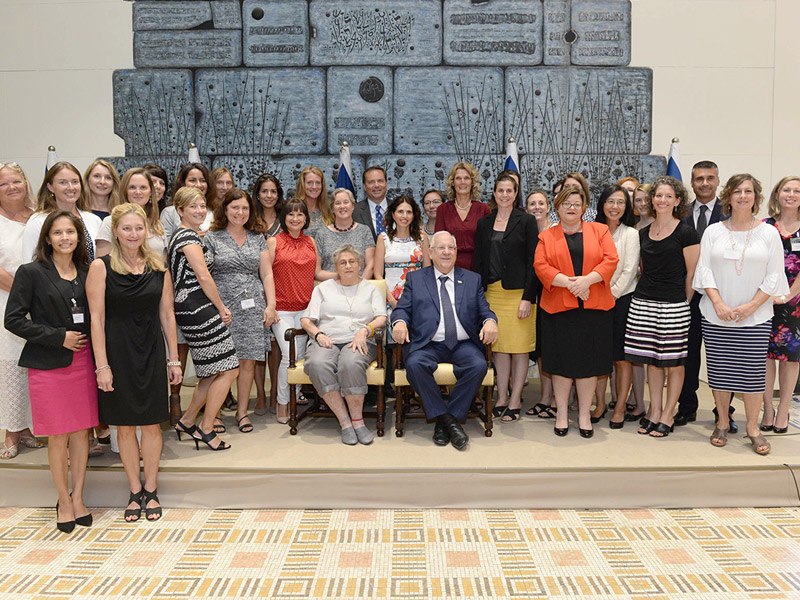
(709, 553)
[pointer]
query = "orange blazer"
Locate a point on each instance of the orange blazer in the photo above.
(552, 257)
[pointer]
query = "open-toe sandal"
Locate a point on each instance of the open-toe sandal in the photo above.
(133, 514)
(498, 411)
(719, 438)
(244, 427)
(151, 514)
(534, 411)
(511, 415)
(646, 426)
(219, 426)
(759, 441)
(547, 413)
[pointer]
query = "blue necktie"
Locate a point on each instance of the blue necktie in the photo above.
(379, 228)
(450, 333)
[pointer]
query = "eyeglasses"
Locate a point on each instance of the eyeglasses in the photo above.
(431, 203)
(572, 204)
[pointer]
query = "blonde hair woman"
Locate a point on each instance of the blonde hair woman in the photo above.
(102, 187)
(130, 299)
(312, 192)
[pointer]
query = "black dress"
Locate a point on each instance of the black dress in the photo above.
(135, 349)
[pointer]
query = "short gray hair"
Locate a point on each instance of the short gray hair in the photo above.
(347, 248)
(345, 191)
(433, 238)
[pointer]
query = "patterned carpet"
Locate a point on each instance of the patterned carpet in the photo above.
(708, 553)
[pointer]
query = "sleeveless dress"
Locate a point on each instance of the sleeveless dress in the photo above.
(400, 258)
(209, 340)
(15, 408)
(135, 349)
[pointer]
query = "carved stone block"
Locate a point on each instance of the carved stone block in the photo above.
(206, 48)
(360, 109)
(227, 14)
(448, 110)
(150, 16)
(557, 30)
(603, 29)
(275, 33)
(363, 32)
(154, 111)
(554, 110)
(246, 169)
(260, 111)
(501, 32)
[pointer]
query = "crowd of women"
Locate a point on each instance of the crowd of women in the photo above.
(109, 283)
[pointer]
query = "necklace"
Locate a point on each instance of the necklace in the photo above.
(428, 231)
(660, 230)
(350, 301)
(787, 231)
(340, 230)
(459, 207)
(739, 262)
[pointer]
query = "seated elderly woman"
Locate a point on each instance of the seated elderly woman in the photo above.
(341, 320)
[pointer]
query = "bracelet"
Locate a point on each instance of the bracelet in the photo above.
(783, 298)
(316, 335)
(173, 363)
(98, 369)
(372, 330)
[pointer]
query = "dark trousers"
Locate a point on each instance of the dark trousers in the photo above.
(469, 367)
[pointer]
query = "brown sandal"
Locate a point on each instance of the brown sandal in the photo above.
(721, 437)
(759, 441)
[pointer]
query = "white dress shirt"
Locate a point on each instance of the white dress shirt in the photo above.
(696, 211)
(373, 205)
(451, 291)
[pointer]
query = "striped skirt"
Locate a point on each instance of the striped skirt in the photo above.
(736, 357)
(657, 333)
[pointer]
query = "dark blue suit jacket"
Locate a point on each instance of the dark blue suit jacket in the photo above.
(419, 306)
(716, 214)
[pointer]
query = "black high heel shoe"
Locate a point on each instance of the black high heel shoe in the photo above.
(586, 433)
(615, 424)
(635, 417)
(207, 438)
(561, 431)
(597, 419)
(84, 521)
(151, 512)
(64, 526)
(181, 428)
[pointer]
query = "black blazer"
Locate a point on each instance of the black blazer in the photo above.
(519, 246)
(34, 291)
(715, 216)
(362, 213)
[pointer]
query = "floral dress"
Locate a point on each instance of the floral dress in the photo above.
(784, 341)
(401, 257)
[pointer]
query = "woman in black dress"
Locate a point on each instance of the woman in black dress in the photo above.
(130, 299)
(203, 319)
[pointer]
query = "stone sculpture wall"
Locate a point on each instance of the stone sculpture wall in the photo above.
(412, 85)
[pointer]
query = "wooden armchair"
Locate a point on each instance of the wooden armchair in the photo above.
(444, 376)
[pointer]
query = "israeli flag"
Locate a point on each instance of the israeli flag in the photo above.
(512, 158)
(194, 153)
(51, 158)
(673, 170)
(345, 177)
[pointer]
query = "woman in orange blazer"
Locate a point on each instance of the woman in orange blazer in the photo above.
(575, 261)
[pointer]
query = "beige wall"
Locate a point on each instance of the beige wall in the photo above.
(725, 80)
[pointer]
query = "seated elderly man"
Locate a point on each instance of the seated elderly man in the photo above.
(443, 316)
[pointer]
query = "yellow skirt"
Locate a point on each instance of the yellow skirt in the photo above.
(516, 336)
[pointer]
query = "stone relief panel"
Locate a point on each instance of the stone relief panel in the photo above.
(413, 85)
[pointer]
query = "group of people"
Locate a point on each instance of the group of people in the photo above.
(108, 283)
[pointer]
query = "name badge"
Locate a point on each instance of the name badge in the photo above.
(732, 255)
(77, 315)
(248, 303)
(795, 244)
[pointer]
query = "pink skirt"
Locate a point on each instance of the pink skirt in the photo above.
(64, 400)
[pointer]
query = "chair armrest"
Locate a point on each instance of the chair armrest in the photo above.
(488, 351)
(379, 342)
(289, 337)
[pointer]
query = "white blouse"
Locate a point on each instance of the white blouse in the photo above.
(721, 251)
(623, 281)
(30, 237)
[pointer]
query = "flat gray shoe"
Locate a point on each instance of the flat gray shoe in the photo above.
(364, 435)
(349, 436)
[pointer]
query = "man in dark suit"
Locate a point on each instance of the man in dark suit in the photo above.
(443, 316)
(705, 210)
(371, 211)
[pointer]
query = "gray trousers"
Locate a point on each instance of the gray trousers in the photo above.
(338, 368)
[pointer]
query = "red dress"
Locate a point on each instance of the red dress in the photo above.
(447, 219)
(293, 271)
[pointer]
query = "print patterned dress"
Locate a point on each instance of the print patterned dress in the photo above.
(402, 256)
(236, 273)
(209, 340)
(784, 341)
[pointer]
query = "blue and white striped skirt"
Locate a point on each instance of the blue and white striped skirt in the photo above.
(657, 333)
(736, 357)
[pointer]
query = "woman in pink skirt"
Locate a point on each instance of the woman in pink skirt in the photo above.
(58, 355)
